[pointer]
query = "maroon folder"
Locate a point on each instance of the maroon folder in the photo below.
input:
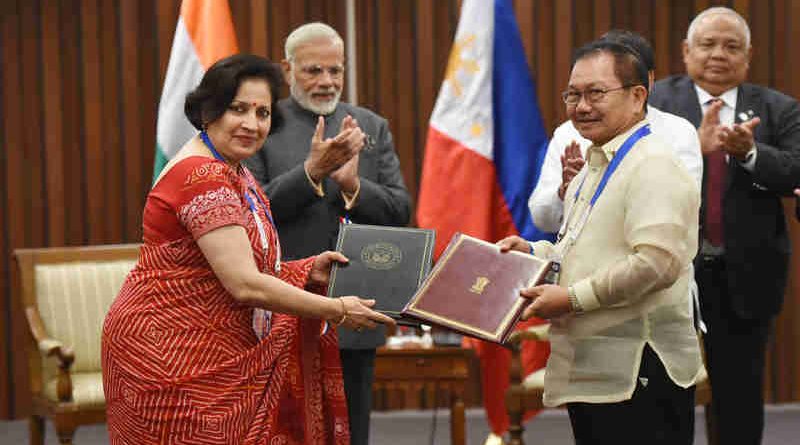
(474, 289)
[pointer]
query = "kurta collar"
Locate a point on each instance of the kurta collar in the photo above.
(609, 149)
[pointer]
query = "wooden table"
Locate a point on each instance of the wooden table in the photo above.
(420, 376)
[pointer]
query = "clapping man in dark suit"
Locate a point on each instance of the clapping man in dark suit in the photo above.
(750, 138)
(329, 162)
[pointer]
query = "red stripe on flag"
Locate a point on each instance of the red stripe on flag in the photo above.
(459, 192)
(495, 362)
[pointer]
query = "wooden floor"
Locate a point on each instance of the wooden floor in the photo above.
(419, 428)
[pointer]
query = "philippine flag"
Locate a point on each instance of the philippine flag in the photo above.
(485, 147)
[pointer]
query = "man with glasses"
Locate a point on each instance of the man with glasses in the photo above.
(624, 354)
(329, 162)
(750, 138)
(564, 157)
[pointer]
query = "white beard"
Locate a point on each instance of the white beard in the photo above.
(304, 99)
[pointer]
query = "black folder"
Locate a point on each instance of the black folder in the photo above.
(386, 263)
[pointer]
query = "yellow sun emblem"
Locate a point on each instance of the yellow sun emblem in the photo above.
(456, 63)
(476, 130)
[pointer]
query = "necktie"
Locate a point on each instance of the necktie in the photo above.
(715, 185)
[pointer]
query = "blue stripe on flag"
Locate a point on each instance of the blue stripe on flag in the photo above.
(520, 140)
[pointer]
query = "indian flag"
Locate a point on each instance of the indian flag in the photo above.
(204, 35)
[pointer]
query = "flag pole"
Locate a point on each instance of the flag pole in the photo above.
(350, 50)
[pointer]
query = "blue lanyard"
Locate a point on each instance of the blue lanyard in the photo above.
(615, 161)
(217, 156)
(612, 166)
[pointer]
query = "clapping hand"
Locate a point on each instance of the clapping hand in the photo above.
(327, 155)
(738, 140)
(710, 131)
(347, 175)
(571, 163)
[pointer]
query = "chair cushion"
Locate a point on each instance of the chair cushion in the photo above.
(87, 389)
(73, 299)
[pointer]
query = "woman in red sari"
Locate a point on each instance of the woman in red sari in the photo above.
(182, 361)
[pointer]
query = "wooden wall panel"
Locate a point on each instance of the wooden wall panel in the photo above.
(150, 94)
(661, 26)
(32, 112)
(114, 136)
(547, 86)
(427, 87)
(53, 121)
(405, 127)
(9, 198)
(72, 103)
(91, 101)
(82, 79)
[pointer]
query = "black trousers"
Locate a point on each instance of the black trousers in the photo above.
(659, 412)
(735, 354)
(358, 369)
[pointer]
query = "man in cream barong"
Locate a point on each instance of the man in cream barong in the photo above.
(624, 352)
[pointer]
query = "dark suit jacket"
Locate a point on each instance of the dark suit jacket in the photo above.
(308, 224)
(757, 247)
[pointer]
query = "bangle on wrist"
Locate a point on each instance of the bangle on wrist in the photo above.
(344, 315)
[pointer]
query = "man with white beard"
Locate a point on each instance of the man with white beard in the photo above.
(329, 162)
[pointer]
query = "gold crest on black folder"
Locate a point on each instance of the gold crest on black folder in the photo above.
(386, 263)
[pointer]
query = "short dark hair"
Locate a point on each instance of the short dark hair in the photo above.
(209, 101)
(636, 42)
(628, 66)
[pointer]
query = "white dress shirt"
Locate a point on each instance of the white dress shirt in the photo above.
(546, 207)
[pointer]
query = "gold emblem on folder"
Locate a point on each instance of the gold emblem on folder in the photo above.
(381, 256)
(479, 285)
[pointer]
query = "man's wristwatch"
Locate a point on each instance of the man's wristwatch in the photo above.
(574, 304)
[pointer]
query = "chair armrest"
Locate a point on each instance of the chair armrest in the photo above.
(50, 347)
(539, 333)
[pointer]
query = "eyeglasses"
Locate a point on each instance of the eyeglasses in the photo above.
(313, 71)
(592, 95)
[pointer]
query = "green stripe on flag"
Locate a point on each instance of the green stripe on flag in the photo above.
(160, 161)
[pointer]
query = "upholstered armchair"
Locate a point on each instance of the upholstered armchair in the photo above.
(526, 393)
(66, 293)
